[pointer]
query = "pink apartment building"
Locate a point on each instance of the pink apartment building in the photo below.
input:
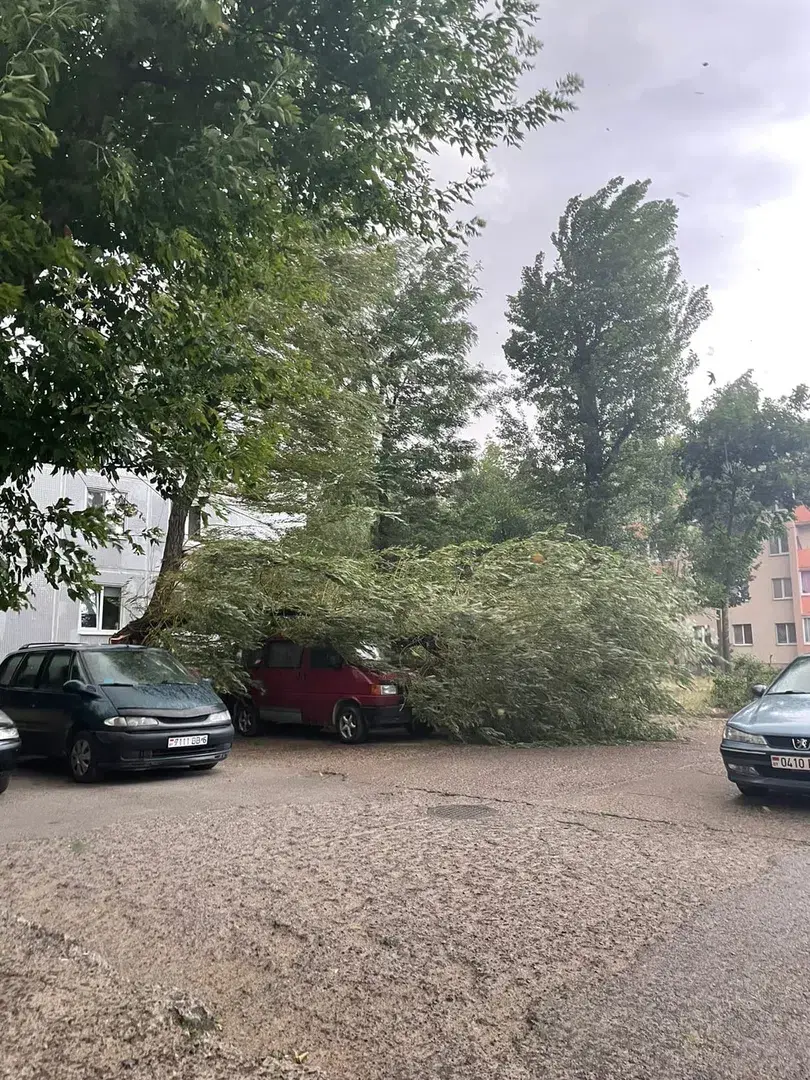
(774, 624)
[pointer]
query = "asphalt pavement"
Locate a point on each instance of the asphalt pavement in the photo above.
(591, 913)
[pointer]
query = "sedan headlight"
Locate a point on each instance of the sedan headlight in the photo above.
(132, 723)
(8, 733)
(734, 734)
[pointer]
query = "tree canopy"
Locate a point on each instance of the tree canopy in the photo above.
(600, 345)
(428, 387)
(747, 464)
(162, 158)
(546, 639)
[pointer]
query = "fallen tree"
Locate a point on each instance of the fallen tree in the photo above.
(542, 640)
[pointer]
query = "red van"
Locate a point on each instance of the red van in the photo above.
(292, 684)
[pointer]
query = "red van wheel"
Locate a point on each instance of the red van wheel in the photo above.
(351, 724)
(245, 719)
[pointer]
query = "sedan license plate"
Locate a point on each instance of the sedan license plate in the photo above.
(187, 740)
(782, 761)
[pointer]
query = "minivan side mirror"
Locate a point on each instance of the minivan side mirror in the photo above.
(758, 690)
(76, 686)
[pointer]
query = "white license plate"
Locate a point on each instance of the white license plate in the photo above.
(782, 761)
(187, 740)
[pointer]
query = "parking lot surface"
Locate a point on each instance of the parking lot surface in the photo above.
(407, 910)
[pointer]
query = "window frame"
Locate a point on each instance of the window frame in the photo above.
(806, 628)
(99, 595)
(12, 663)
(781, 581)
(787, 640)
(803, 591)
(44, 669)
(278, 667)
(97, 490)
(24, 658)
(742, 626)
(779, 539)
(339, 661)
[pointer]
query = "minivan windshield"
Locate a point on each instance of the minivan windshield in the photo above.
(796, 680)
(134, 667)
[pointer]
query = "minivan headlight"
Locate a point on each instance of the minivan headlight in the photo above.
(387, 688)
(223, 717)
(733, 734)
(132, 723)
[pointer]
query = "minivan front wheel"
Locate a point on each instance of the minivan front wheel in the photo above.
(351, 724)
(83, 759)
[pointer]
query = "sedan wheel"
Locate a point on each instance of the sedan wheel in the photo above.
(82, 760)
(351, 724)
(5, 777)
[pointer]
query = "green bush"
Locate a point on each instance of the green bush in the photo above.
(731, 689)
(544, 640)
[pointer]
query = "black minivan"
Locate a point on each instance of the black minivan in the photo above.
(113, 707)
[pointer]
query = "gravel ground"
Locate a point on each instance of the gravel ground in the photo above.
(67, 1013)
(395, 936)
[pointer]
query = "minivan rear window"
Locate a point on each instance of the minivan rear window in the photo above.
(7, 668)
(26, 674)
(134, 667)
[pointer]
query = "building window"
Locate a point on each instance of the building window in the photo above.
(785, 633)
(98, 497)
(102, 609)
(782, 588)
(805, 576)
(742, 633)
(779, 544)
(806, 623)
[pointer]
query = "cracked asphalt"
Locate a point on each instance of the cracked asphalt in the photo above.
(407, 911)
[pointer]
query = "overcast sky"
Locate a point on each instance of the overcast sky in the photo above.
(730, 142)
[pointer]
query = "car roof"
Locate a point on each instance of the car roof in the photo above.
(84, 646)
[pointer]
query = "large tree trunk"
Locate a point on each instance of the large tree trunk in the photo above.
(593, 510)
(725, 636)
(138, 630)
(382, 527)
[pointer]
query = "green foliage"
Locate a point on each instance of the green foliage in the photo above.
(163, 161)
(731, 689)
(324, 438)
(747, 464)
(541, 640)
(492, 501)
(429, 390)
(600, 346)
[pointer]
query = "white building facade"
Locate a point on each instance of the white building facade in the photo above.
(124, 579)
